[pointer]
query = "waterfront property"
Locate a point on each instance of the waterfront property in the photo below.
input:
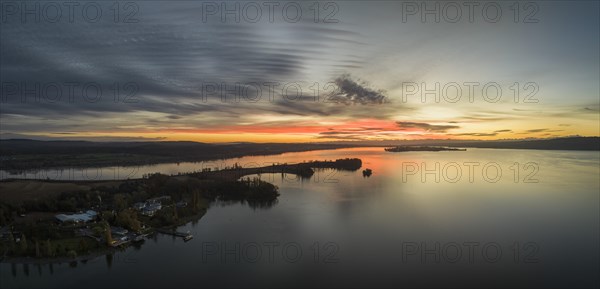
(151, 206)
(151, 209)
(119, 231)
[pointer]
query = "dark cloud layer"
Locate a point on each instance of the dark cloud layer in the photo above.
(476, 134)
(352, 92)
(537, 130)
(169, 57)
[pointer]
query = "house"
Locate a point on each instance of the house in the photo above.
(159, 199)
(92, 213)
(5, 233)
(118, 231)
(88, 216)
(151, 209)
(139, 206)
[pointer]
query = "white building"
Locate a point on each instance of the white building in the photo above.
(88, 216)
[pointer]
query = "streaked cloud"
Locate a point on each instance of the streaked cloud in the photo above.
(404, 125)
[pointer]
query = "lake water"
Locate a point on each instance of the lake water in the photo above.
(483, 217)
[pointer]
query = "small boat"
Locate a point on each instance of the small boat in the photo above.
(139, 238)
(188, 237)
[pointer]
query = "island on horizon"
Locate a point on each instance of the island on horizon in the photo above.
(399, 149)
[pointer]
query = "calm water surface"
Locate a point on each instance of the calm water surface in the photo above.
(477, 220)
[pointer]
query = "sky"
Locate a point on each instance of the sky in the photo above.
(299, 71)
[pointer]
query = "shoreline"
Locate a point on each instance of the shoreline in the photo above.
(149, 160)
(100, 166)
(57, 260)
(92, 255)
(26, 155)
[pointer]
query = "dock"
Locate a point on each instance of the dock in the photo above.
(185, 235)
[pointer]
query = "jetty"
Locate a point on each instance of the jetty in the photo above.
(185, 235)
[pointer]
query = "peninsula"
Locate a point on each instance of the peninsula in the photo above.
(67, 220)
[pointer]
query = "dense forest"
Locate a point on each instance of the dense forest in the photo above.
(18, 154)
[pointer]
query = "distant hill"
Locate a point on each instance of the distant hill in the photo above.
(565, 143)
(21, 154)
